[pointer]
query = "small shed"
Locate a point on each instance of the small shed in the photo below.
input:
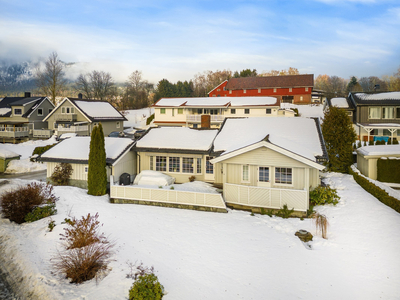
(367, 158)
(5, 157)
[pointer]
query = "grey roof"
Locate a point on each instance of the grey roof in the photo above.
(386, 98)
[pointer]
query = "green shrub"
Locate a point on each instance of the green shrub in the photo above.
(322, 195)
(61, 174)
(16, 204)
(377, 192)
(146, 287)
(51, 225)
(41, 212)
(285, 212)
(41, 150)
(388, 170)
(371, 143)
(296, 112)
(97, 173)
(149, 119)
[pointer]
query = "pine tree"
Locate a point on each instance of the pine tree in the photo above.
(97, 173)
(339, 137)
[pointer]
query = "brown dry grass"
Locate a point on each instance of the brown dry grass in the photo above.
(321, 224)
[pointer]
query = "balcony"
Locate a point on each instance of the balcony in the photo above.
(197, 118)
(78, 129)
(65, 117)
(42, 133)
(14, 132)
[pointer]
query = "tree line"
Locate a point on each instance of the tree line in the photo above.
(137, 92)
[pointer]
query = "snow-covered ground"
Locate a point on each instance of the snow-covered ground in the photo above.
(25, 150)
(137, 117)
(204, 255)
(307, 111)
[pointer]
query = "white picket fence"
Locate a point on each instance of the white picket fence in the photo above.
(131, 192)
(272, 198)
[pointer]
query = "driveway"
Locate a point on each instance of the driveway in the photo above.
(39, 175)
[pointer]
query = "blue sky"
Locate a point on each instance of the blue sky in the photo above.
(178, 39)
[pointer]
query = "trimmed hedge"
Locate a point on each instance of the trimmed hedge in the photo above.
(41, 150)
(388, 170)
(149, 119)
(377, 192)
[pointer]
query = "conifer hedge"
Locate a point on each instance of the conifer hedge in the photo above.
(97, 173)
(388, 170)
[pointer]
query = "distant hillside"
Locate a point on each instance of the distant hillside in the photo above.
(16, 78)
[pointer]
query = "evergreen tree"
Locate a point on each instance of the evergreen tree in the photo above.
(97, 174)
(339, 137)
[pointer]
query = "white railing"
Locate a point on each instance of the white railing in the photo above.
(73, 128)
(44, 133)
(197, 118)
(14, 132)
(132, 192)
(65, 117)
(272, 198)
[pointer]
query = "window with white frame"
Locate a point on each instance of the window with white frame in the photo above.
(230, 91)
(301, 98)
(274, 90)
(67, 110)
(306, 89)
(233, 111)
(161, 163)
(268, 111)
(290, 90)
(259, 90)
(40, 112)
(209, 165)
(244, 91)
(187, 165)
(17, 111)
(72, 110)
(63, 110)
(263, 174)
(247, 111)
(151, 163)
(283, 175)
(198, 167)
(374, 113)
(162, 111)
(174, 164)
(180, 111)
(245, 173)
(388, 112)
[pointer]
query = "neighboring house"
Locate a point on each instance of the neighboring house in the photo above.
(177, 151)
(75, 115)
(22, 118)
(75, 150)
(376, 115)
(367, 158)
(260, 162)
(189, 112)
(295, 89)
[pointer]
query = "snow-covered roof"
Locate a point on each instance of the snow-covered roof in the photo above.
(4, 110)
(379, 125)
(4, 153)
(98, 109)
(77, 148)
(384, 150)
(298, 135)
(177, 138)
(216, 101)
(379, 96)
(339, 102)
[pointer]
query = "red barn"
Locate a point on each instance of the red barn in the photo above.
(289, 88)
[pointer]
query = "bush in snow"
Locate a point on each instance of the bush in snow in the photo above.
(321, 223)
(97, 174)
(146, 286)
(43, 149)
(61, 174)
(87, 252)
(322, 195)
(18, 203)
(41, 212)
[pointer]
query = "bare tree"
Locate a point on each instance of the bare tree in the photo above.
(51, 81)
(290, 71)
(137, 92)
(97, 85)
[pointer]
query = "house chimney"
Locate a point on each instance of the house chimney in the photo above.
(27, 94)
(80, 96)
(205, 121)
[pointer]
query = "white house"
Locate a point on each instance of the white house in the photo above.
(75, 150)
(188, 112)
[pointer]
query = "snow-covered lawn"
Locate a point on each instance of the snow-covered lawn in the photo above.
(25, 150)
(307, 111)
(204, 255)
